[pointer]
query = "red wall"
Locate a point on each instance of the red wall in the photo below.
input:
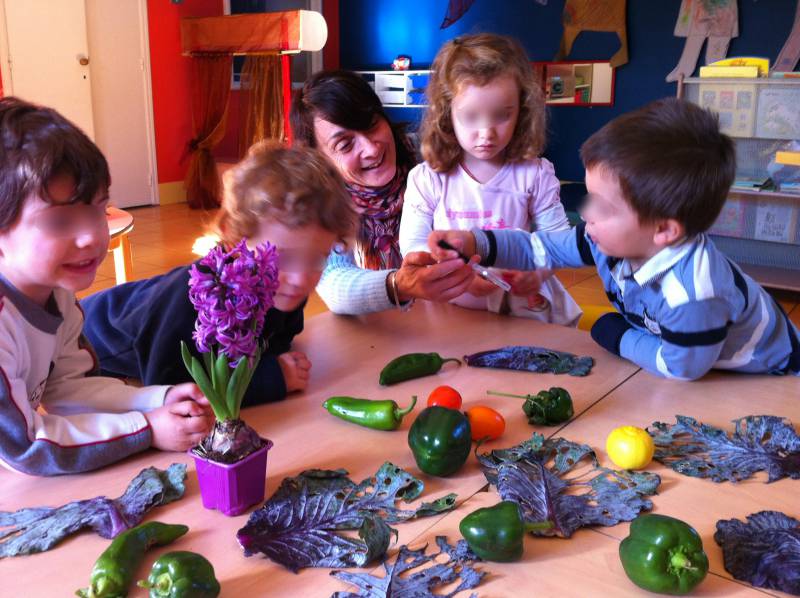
(170, 72)
(171, 86)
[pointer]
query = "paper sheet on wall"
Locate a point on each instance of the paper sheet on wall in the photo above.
(778, 116)
(790, 53)
(594, 15)
(775, 222)
(735, 104)
(730, 222)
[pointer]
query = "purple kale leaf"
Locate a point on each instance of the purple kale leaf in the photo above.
(759, 443)
(38, 529)
(421, 582)
(296, 526)
(533, 474)
(765, 551)
(531, 359)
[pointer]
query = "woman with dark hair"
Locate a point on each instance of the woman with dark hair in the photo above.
(338, 113)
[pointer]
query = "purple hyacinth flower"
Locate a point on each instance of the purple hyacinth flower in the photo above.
(232, 291)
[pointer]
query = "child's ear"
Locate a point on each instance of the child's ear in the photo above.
(668, 232)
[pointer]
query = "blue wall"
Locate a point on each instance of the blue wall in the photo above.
(373, 32)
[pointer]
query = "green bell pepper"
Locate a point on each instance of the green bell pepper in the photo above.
(663, 554)
(378, 415)
(114, 569)
(440, 439)
(181, 574)
(496, 533)
(546, 407)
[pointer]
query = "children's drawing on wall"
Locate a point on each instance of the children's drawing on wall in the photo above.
(457, 8)
(713, 21)
(790, 53)
(594, 15)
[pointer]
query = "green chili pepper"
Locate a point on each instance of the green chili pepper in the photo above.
(545, 408)
(378, 415)
(496, 533)
(440, 439)
(181, 574)
(663, 554)
(114, 569)
(412, 365)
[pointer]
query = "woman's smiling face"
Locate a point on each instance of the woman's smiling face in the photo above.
(366, 158)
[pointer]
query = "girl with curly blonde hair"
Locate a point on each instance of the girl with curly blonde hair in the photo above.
(482, 137)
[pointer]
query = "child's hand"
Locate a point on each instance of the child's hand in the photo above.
(179, 425)
(524, 283)
(295, 367)
(462, 240)
(480, 287)
(188, 391)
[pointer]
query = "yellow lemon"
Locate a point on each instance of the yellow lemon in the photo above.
(630, 447)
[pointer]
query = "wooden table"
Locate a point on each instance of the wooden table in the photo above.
(347, 353)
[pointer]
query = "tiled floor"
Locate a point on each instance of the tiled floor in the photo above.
(162, 238)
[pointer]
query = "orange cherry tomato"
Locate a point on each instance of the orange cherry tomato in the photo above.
(485, 422)
(445, 396)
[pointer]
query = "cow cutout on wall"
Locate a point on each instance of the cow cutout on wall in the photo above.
(594, 15)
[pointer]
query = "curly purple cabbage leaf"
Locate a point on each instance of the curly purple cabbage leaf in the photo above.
(533, 474)
(531, 359)
(421, 582)
(765, 551)
(758, 443)
(38, 529)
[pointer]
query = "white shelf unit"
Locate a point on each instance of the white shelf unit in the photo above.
(398, 89)
(759, 229)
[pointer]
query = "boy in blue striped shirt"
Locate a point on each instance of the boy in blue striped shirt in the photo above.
(657, 179)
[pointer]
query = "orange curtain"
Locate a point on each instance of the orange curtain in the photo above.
(211, 88)
(261, 100)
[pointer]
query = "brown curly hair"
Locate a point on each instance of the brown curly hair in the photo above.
(478, 59)
(296, 186)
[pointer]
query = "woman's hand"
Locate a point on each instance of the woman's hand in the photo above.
(422, 277)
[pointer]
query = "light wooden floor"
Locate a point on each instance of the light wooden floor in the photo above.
(162, 239)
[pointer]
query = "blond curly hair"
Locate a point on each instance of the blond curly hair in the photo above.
(477, 60)
(296, 186)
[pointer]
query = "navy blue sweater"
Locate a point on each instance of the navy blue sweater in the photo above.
(136, 329)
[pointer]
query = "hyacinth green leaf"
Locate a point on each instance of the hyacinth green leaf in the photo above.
(221, 373)
(187, 357)
(208, 359)
(201, 378)
(235, 389)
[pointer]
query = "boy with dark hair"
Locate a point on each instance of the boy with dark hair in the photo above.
(54, 418)
(657, 179)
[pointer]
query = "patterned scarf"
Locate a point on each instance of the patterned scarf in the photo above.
(379, 209)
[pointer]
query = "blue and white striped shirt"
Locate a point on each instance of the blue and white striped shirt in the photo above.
(691, 309)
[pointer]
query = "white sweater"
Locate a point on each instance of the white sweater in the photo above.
(54, 419)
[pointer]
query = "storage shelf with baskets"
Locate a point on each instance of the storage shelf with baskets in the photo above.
(759, 226)
(399, 89)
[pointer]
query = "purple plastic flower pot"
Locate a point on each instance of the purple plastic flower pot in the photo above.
(233, 487)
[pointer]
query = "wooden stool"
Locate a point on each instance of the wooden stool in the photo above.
(120, 223)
